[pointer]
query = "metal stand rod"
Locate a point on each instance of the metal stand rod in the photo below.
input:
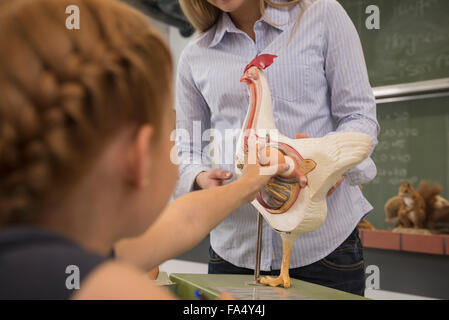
(259, 247)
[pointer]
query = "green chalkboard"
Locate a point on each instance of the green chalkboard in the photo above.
(413, 145)
(412, 43)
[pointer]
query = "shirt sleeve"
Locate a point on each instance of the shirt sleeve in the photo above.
(192, 119)
(353, 105)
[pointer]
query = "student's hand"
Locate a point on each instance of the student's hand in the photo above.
(331, 190)
(256, 176)
(212, 178)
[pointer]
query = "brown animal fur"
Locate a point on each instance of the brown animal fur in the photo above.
(429, 193)
(412, 212)
(366, 225)
(437, 208)
(391, 209)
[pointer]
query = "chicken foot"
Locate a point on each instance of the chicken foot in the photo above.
(284, 277)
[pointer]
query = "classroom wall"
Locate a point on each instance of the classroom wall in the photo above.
(177, 42)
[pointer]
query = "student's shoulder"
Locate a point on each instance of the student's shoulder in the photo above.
(27, 254)
(115, 280)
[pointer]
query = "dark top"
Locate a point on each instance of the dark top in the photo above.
(37, 264)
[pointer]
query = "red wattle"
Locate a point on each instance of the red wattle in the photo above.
(262, 62)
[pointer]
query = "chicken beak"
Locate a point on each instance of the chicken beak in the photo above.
(245, 78)
(250, 75)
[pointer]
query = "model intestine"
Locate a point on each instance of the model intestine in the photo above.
(294, 202)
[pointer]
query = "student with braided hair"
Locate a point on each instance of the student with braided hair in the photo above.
(85, 121)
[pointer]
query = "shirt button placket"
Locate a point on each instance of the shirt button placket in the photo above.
(258, 30)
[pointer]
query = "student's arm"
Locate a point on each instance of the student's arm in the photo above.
(187, 220)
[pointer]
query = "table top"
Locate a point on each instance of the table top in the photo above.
(211, 285)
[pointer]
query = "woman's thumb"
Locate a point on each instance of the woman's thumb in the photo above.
(220, 174)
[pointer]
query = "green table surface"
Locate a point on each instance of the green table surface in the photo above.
(187, 284)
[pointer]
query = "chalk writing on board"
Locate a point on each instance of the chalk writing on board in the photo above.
(393, 155)
(415, 8)
(386, 158)
(409, 43)
(402, 132)
(442, 61)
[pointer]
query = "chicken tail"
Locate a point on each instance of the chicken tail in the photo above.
(344, 150)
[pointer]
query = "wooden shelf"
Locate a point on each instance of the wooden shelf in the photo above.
(422, 243)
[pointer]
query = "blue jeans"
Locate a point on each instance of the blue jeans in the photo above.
(343, 269)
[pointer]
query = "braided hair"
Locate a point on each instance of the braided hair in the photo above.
(64, 93)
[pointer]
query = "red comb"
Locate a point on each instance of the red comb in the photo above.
(263, 61)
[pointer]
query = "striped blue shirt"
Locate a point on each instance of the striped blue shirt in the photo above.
(319, 85)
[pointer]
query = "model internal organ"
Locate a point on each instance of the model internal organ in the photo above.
(294, 202)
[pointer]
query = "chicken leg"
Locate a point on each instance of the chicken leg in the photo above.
(284, 278)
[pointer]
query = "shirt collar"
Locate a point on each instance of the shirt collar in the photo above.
(275, 17)
(224, 24)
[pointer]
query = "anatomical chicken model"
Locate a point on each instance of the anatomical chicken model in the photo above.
(295, 201)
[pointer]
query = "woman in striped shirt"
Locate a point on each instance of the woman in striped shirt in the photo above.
(319, 86)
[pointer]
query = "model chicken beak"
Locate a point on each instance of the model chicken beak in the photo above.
(245, 79)
(250, 75)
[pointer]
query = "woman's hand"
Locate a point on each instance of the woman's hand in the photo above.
(331, 190)
(211, 178)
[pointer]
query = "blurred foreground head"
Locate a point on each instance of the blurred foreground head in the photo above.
(67, 95)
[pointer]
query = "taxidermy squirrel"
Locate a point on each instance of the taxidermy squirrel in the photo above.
(436, 208)
(411, 213)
